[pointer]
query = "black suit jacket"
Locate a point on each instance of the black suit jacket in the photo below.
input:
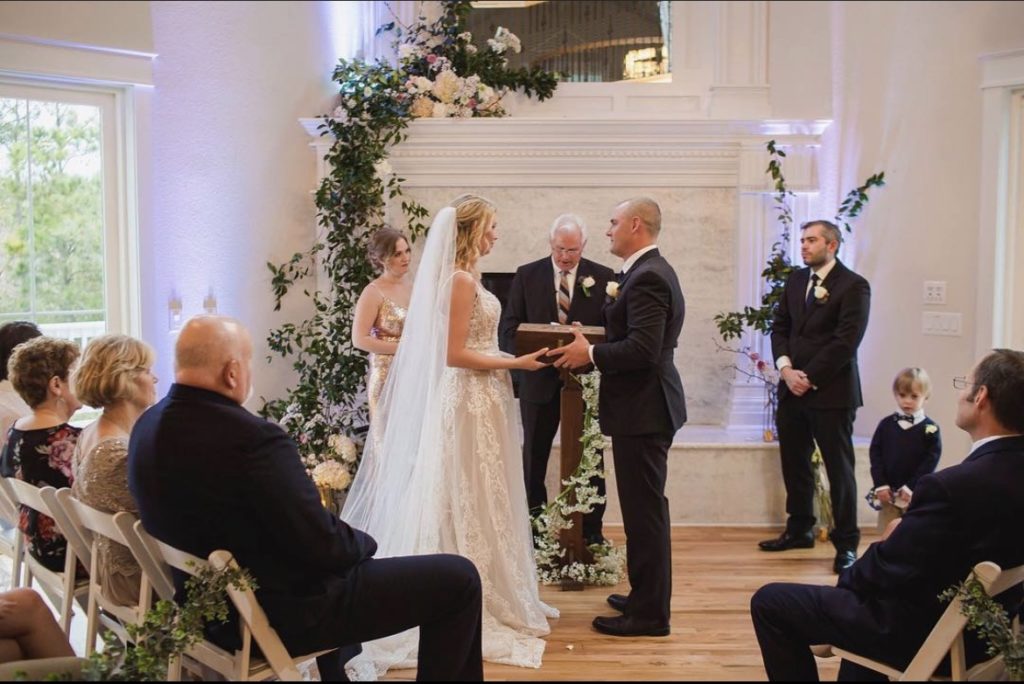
(822, 340)
(641, 392)
(531, 299)
(958, 517)
(207, 474)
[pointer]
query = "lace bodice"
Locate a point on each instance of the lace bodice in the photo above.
(483, 322)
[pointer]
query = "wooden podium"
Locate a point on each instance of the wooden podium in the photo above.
(529, 338)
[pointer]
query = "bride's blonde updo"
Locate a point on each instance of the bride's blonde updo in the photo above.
(473, 215)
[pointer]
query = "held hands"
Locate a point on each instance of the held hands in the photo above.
(796, 380)
(884, 495)
(576, 354)
(529, 362)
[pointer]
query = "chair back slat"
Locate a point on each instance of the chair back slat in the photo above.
(91, 520)
(255, 619)
(147, 555)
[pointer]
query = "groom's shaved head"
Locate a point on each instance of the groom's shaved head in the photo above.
(645, 209)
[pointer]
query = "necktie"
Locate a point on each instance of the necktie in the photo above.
(810, 292)
(619, 275)
(563, 297)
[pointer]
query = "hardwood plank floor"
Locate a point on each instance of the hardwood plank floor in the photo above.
(715, 572)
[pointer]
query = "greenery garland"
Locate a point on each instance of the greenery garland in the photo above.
(609, 561)
(989, 619)
(439, 66)
(169, 629)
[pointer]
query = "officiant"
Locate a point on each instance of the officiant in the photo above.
(560, 288)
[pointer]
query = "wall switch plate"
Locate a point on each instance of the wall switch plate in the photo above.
(935, 323)
(935, 292)
(174, 314)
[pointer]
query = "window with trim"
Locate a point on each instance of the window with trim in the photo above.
(60, 210)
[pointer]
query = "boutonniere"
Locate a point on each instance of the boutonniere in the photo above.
(612, 289)
(931, 429)
(820, 294)
(586, 284)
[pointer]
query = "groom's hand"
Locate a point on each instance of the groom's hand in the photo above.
(573, 355)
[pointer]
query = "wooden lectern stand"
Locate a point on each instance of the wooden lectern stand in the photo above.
(529, 338)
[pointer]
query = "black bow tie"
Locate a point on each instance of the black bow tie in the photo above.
(904, 416)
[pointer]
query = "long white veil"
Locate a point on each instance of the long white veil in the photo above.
(402, 446)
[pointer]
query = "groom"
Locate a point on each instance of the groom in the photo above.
(641, 407)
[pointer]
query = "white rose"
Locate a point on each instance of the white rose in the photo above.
(406, 50)
(446, 86)
(589, 281)
(820, 293)
(931, 429)
(421, 107)
(470, 48)
(441, 110)
(495, 45)
(612, 289)
(423, 84)
(466, 36)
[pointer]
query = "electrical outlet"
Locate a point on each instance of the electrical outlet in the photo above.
(935, 292)
(174, 314)
(935, 323)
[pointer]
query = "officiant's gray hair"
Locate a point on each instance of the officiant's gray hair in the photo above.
(567, 220)
(647, 210)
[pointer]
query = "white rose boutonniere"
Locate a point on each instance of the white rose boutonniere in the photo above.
(931, 429)
(612, 289)
(820, 294)
(586, 284)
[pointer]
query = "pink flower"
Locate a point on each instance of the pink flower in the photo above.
(754, 356)
(59, 457)
(761, 366)
(472, 103)
(431, 59)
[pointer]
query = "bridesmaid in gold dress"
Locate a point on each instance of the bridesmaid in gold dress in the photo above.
(380, 311)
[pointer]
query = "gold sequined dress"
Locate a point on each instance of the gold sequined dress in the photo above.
(387, 327)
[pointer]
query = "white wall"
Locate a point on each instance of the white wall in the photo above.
(229, 170)
(116, 25)
(906, 101)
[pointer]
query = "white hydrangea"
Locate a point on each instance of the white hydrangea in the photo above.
(332, 474)
(441, 110)
(341, 445)
(447, 86)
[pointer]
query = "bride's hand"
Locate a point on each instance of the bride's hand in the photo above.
(529, 362)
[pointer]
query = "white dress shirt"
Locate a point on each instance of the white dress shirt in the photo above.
(977, 445)
(918, 418)
(822, 273)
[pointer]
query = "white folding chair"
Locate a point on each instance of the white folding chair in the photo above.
(12, 542)
(946, 637)
(61, 587)
(157, 560)
(93, 526)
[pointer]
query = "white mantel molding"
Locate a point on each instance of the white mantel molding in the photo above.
(529, 152)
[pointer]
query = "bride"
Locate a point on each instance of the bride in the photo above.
(442, 470)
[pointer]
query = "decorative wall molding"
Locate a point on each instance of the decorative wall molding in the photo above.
(22, 55)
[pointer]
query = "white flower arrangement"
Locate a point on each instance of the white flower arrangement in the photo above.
(332, 474)
(343, 447)
(612, 289)
(609, 561)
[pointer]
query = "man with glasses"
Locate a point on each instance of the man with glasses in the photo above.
(817, 329)
(561, 288)
(886, 604)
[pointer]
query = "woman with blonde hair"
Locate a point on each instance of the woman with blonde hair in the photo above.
(382, 306)
(444, 474)
(116, 375)
(40, 445)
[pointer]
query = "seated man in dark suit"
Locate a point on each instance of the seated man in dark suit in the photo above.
(207, 475)
(887, 602)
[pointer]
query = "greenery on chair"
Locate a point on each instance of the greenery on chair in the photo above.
(169, 630)
(989, 619)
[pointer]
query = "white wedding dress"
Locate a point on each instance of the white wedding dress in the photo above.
(442, 471)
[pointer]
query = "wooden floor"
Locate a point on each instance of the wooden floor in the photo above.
(715, 572)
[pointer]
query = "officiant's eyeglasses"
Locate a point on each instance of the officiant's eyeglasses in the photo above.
(567, 252)
(960, 382)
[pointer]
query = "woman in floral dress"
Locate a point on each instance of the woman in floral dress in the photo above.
(40, 446)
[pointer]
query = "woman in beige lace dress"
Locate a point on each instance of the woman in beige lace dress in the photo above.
(116, 374)
(380, 311)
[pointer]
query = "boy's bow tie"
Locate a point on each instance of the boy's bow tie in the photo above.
(904, 416)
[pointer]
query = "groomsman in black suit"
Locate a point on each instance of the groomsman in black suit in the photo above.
(563, 288)
(642, 405)
(886, 604)
(819, 324)
(207, 475)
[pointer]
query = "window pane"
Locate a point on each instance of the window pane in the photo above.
(51, 216)
(610, 40)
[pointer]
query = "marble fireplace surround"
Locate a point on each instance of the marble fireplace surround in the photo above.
(718, 225)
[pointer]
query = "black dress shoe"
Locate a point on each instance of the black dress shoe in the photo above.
(618, 602)
(786, 541)
(592, 539)
(844, 559)
(626, 626)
